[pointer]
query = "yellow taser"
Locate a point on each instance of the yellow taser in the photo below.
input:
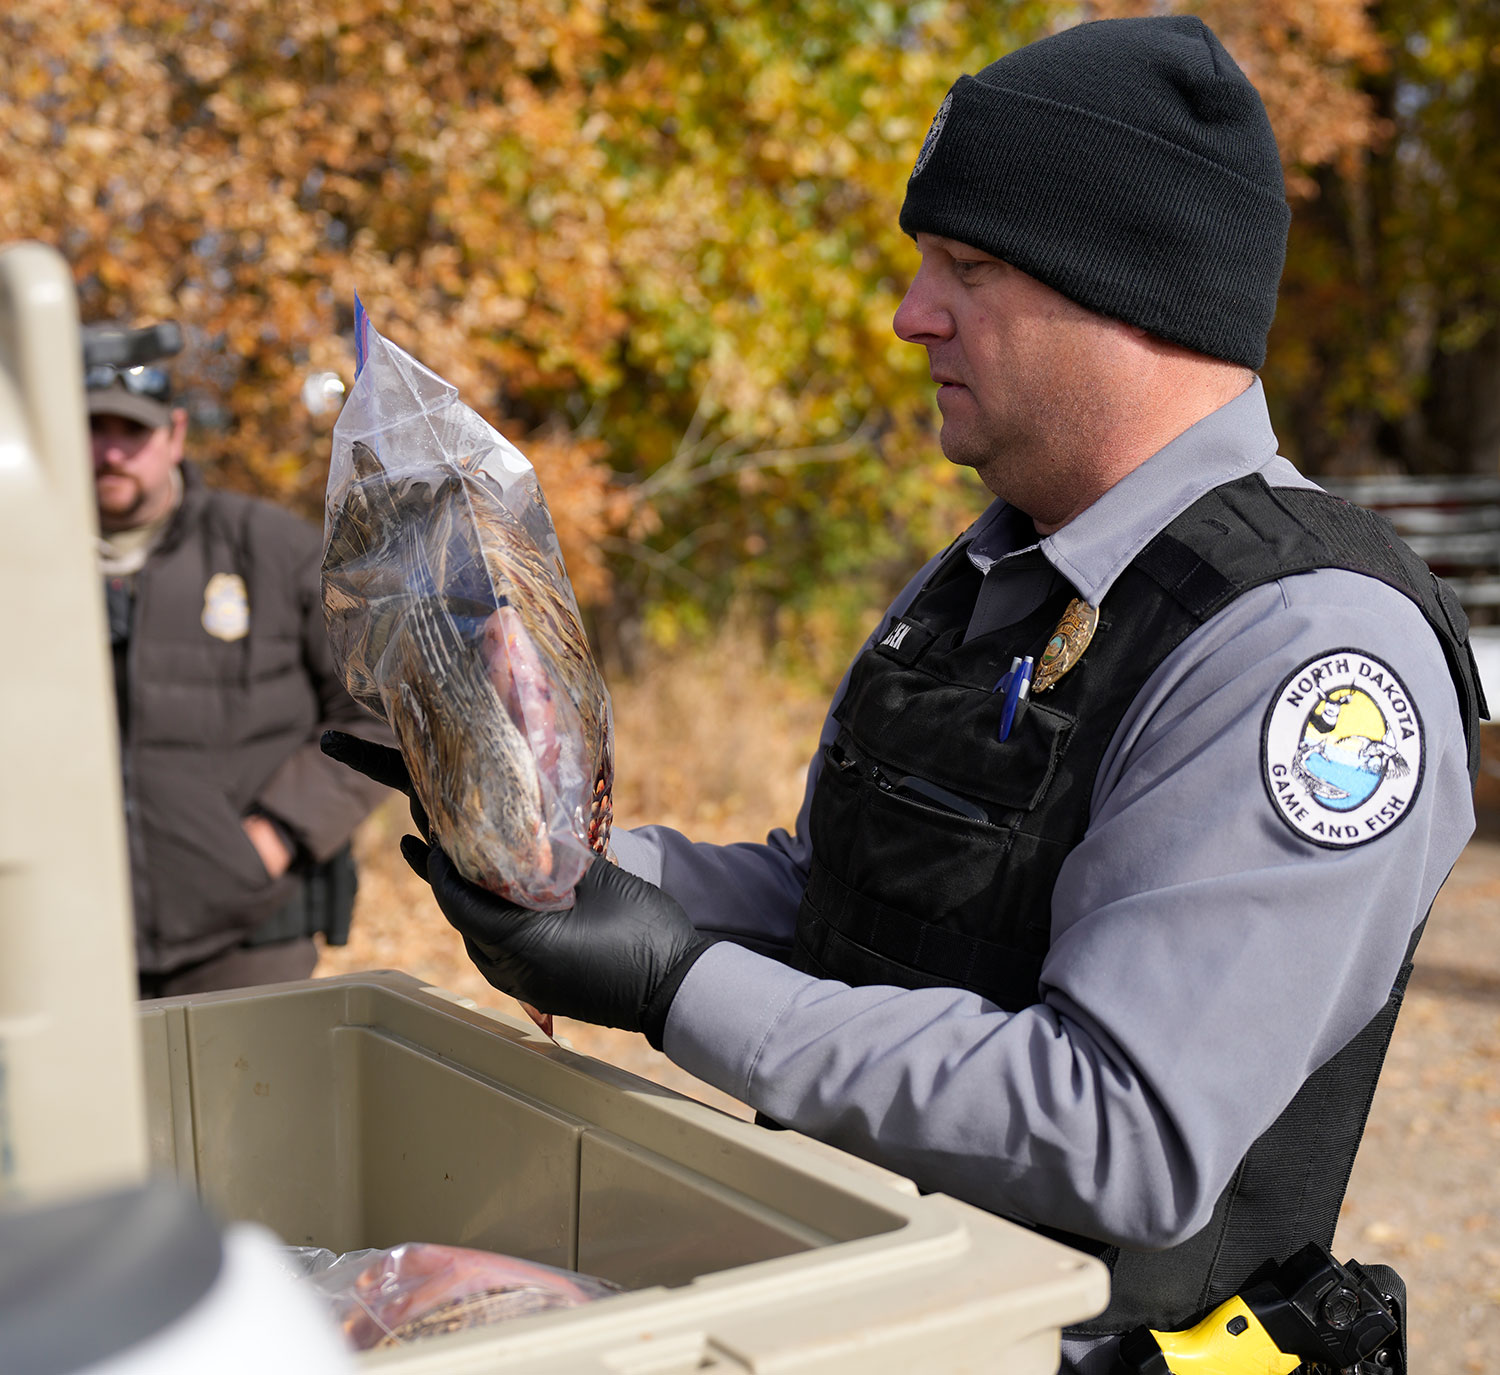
(1229, 1341)
(1308, 1310)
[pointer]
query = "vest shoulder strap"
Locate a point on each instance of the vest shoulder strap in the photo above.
(1246, 533)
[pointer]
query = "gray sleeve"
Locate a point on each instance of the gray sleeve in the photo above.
(1205, 958)
(747, 892)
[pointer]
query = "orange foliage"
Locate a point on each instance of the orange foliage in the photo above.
(247, 168)
(655, 243)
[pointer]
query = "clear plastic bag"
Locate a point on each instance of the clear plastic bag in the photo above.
(385, 1298)
(451, 617)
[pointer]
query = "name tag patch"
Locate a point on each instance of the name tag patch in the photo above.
(903, 641)
(1341, 749)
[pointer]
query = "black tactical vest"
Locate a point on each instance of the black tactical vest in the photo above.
(936, 846)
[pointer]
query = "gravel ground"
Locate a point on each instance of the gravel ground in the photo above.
(1423, 1194)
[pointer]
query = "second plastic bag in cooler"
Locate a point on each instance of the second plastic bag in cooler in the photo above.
(386, 1298)
(452, 618)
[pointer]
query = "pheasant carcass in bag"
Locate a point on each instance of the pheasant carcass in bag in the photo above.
(452, 618)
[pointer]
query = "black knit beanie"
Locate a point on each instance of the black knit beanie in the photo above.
(1127, 163)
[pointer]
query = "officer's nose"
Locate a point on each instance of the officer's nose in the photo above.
(108, 448)
(921, 318)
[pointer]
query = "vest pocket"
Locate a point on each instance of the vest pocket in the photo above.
(842, 759)
(911, 851)
(947, 735)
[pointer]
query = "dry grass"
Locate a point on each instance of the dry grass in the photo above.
(712, 742)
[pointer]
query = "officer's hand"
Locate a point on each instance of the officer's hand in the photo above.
(615, 958)
(378, 762)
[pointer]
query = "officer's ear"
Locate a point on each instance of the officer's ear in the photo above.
(177, 436)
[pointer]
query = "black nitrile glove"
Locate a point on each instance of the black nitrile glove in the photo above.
(378, 762)
(615, 958)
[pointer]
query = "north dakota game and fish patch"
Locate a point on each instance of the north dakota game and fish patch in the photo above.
(1341, 749)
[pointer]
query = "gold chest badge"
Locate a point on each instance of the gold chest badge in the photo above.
(226, 607)
(1067, 644)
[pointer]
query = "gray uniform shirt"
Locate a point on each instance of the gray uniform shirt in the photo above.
(1205, 957)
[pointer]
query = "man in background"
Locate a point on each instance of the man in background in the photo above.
(237, 826)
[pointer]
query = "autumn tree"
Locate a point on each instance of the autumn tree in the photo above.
(656, 243)
(1390, 329)
(1386, 350)
(246, 167)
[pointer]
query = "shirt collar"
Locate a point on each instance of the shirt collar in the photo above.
(1097, 545)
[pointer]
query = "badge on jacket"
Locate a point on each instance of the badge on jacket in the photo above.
(1341, 749)
(226, 607)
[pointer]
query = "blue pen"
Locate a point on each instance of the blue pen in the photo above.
(1005, 678)
(1017, 688)
(1003, 688)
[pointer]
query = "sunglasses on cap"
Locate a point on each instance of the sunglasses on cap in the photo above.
(138, 381)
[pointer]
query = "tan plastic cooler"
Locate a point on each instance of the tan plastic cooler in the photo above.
(370, 1110)
(70, 1089)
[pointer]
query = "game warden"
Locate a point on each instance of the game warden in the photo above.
(1126, 974)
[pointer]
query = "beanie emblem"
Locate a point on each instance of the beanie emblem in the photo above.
(929, 144)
